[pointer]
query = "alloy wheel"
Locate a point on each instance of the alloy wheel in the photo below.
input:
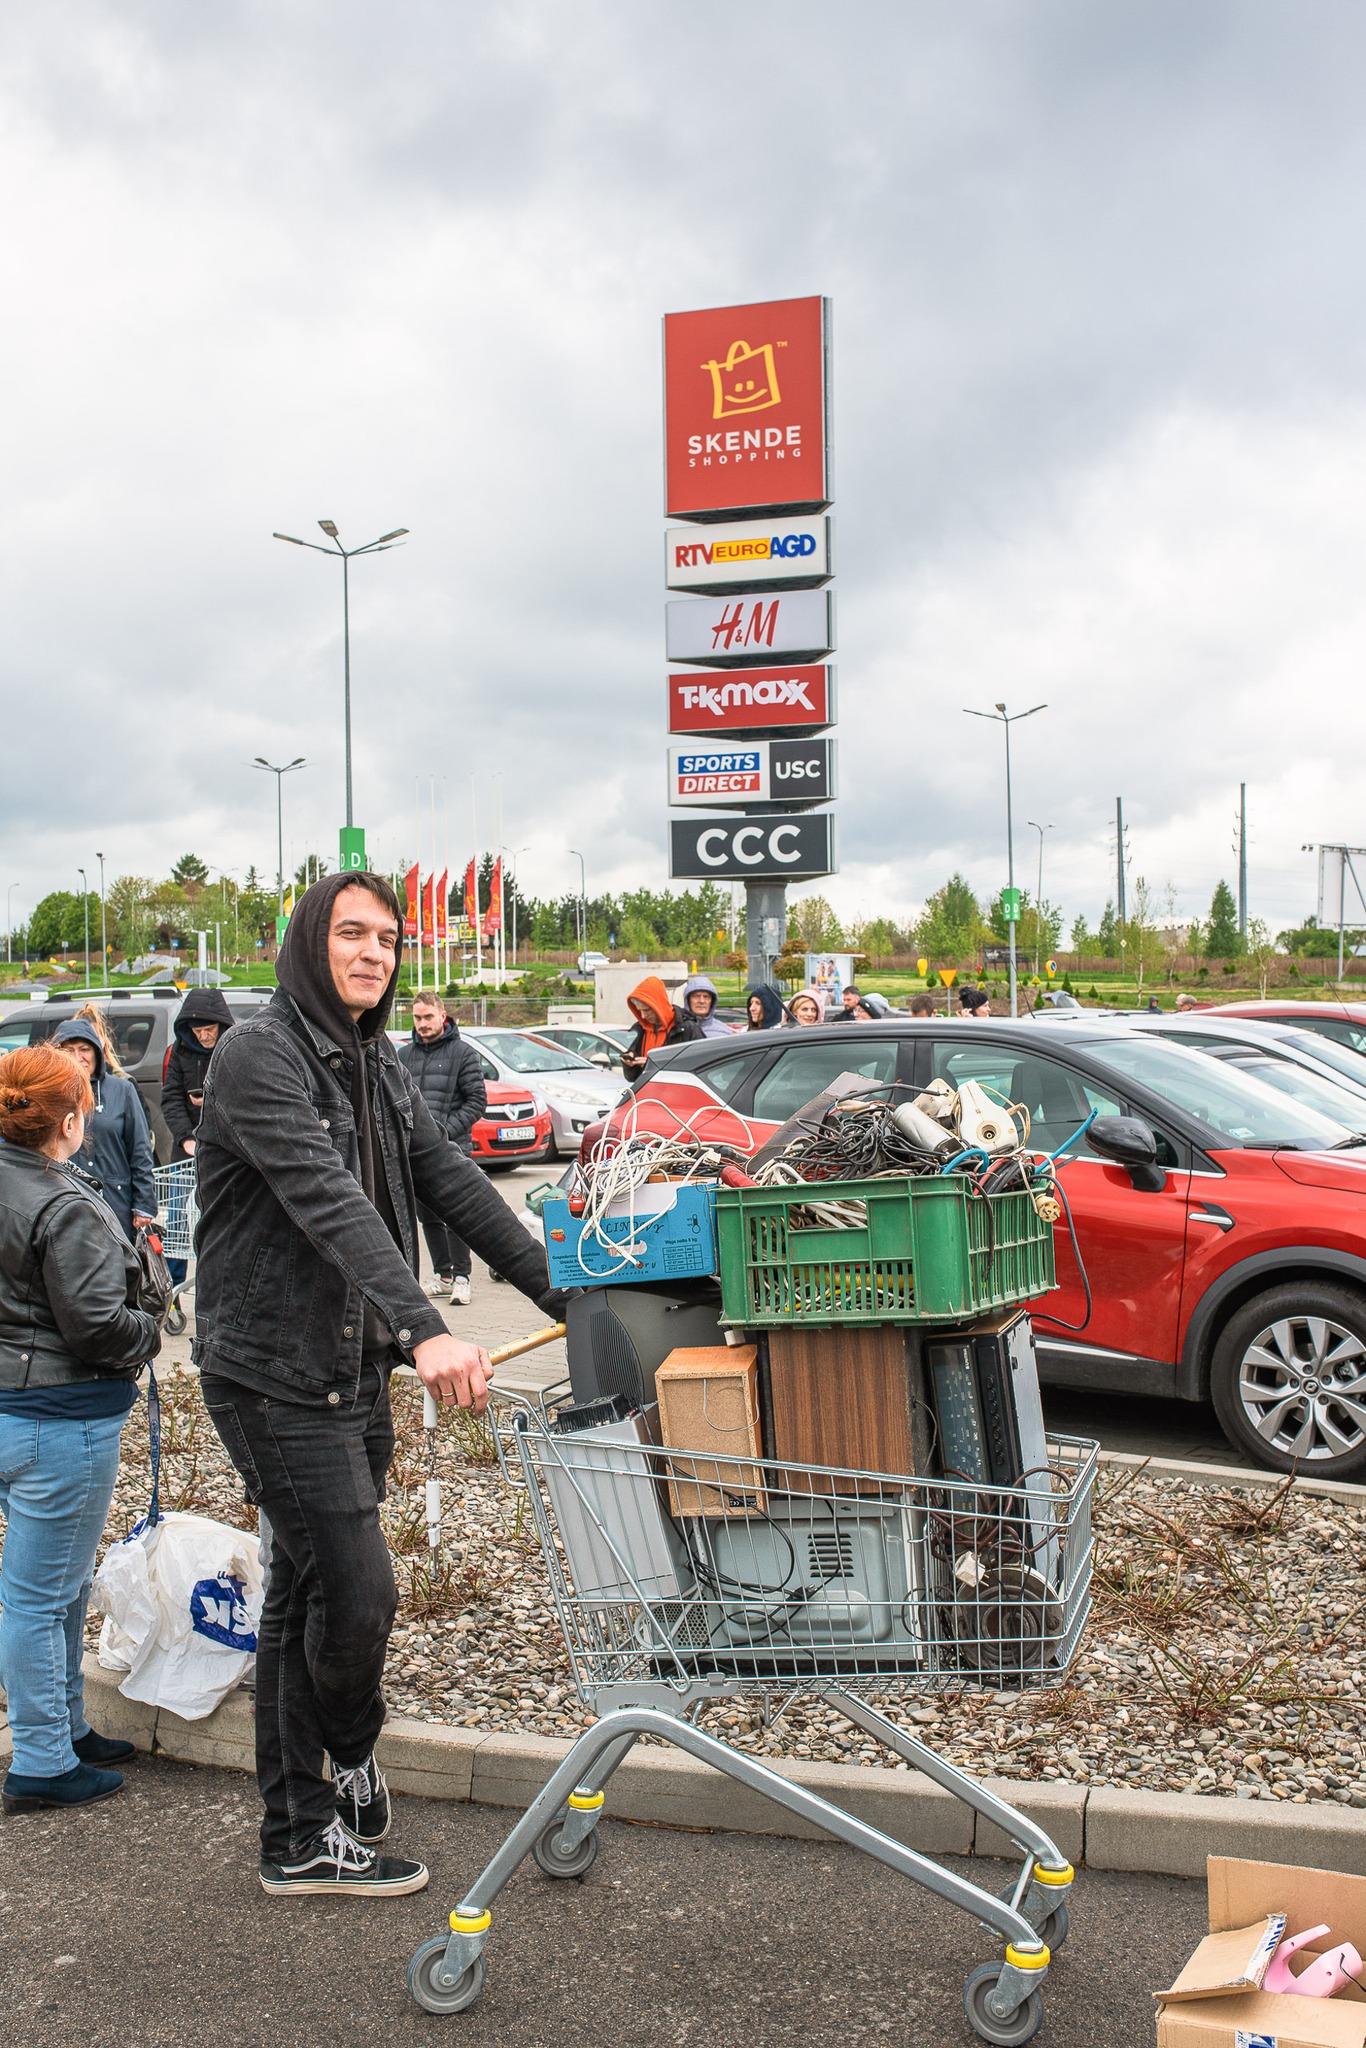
(1302, 1386)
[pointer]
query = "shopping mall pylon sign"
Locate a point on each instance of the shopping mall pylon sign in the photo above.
(746, 409)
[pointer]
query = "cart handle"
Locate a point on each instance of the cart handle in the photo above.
(505, 1351)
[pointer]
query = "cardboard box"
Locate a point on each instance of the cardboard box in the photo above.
(1217, 2002)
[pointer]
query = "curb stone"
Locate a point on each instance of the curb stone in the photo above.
(1239, 1478)
(1104, 1827)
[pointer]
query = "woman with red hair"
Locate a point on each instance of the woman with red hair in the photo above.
(71, 1346)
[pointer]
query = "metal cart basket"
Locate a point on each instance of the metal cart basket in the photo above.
(177, 1218)
(681, 1578)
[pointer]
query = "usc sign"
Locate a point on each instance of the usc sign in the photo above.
(745, 409)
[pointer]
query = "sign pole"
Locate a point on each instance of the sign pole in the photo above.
(765, 928)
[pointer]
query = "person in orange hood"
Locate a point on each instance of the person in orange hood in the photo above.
(658, 1022)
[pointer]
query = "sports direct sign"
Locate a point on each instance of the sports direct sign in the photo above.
(800, 697)
(761, 771)
(729, 631)
(745, 409)
(763, 555)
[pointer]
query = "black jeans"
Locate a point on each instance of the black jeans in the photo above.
(319, 1474)
(449, 1254)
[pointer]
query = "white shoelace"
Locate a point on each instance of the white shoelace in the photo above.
(354, 1784)
(345, 1854)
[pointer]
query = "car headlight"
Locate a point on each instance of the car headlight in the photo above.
(541, 1106)
(576, 1095)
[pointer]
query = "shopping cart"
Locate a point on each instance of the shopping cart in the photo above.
(178, 1214)
(680, 1579)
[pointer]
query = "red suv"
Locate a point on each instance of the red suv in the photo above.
(1226, 1263)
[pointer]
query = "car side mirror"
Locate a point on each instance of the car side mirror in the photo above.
(1127, 1141)
(600, 1059)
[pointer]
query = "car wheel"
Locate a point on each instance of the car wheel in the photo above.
(1288, 1380)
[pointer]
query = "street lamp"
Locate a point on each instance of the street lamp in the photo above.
(1038, 900)
(85, 906)
(371, 547)
(1000, 716)
(279, 774)
(583, 908)
(104, 931)
(514, 851)
(9, 925)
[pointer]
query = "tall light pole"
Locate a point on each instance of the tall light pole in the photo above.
(583, 907)
(352, 841)
(85, 906)
(514, 851)
(279, 774)
(9, 923)
(104, 929)
(1038, 899)
(1000, 716)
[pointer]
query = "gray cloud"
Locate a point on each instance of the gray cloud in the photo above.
(1098, 416)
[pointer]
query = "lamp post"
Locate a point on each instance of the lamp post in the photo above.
(85, 907)
(1038, 899)
(104, 929)
(352, 841)
(514, 851)
(583, 907)
(279, 774)
(1000, 716)
(9, 924)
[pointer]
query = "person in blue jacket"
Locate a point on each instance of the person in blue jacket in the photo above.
(118, 1142)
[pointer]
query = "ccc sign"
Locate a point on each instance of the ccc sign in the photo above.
(777, 848)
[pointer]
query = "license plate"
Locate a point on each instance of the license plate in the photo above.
(521, 1134)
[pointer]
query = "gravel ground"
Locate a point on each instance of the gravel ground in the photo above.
(1226, 1652)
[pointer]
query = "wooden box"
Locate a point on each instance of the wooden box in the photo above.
(709, 1403)
(848, 1397)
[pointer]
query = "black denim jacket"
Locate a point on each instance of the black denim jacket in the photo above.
(289, 1248)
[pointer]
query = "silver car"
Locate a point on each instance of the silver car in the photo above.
(598, 1044)
(1280, 1057)
(578, 1093)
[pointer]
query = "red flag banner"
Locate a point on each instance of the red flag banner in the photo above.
(493, 916)
(410, 909)
(442, 892)
(427, 938)
(471, 896)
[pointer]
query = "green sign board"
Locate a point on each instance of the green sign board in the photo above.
(352, 848)
(1010, 905)
(280, 924)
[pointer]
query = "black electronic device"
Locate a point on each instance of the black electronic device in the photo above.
(616, 1337)
(983, 1383)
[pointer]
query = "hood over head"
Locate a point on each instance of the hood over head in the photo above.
(712, 1025)
(771, 1004)
(817, 998)
(77, 1027)
(202, 1006)
(653, 992)
(879, 1005)
(304, 972)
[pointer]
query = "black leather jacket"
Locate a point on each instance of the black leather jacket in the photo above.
(448, 1073)
(67, 1275)
(289, 1247)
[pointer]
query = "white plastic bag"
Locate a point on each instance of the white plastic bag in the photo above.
(182, 1601)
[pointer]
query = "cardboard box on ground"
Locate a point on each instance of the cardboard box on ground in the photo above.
(1216, 2002)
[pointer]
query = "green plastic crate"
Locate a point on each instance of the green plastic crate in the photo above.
(930, 1251)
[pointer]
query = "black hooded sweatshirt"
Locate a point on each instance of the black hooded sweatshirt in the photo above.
(182, 1087)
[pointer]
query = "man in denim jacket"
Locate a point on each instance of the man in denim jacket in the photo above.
(314, 1150)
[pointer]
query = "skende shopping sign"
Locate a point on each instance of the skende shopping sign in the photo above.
(771, 554)
(746, 409)
(775, 847)
(752, 771)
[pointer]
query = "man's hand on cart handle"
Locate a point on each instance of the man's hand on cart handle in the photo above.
(454, 1372)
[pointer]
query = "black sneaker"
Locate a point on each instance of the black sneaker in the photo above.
(363, 1802)
(335, 1863)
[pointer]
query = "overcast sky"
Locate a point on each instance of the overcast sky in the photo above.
(1100, 420)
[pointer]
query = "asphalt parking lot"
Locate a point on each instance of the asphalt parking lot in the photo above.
(140, 1924)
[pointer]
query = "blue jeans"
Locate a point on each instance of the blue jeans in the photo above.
(56, 1483)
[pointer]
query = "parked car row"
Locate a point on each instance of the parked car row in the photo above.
(1225, 1264)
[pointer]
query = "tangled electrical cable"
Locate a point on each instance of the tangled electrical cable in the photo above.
(612, 1185)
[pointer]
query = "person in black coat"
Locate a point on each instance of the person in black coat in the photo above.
(204, 1017)
(450, 1080)
(118, 1140)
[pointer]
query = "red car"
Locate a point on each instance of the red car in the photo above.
(515, 1129)
(1224, 1244)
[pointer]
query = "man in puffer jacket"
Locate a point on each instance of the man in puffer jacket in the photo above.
(451, 1082)
(203, 1018)
(700, 999)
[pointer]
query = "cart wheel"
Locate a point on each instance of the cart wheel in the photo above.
(558, 1862)
(1052, 1932)
(176, 1319)
(1024, 2022)
(431, 1994)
